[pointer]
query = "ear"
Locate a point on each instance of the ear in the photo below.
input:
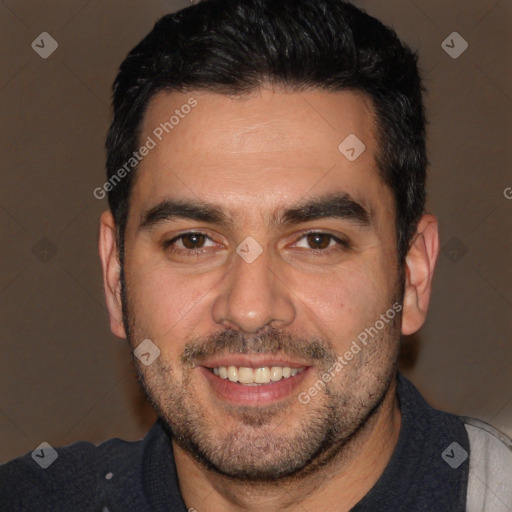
(420, 262)
(111, 273)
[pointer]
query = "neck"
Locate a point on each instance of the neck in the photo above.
(338, 485)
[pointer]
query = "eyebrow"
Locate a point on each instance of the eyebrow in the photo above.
(332, 205)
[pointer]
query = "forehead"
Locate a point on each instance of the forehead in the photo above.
(256, 150)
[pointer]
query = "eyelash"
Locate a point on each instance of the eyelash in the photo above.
(194, 252)
(189, 252)
(340, 242)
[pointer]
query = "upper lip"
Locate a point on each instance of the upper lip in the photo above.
(251, 361)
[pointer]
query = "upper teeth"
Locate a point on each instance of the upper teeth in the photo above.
(255, 376)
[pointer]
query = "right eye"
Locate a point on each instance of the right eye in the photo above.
(191, 242)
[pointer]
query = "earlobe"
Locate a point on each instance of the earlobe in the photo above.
(111, 273)
(420, 263)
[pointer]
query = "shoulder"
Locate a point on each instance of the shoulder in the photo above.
(490, 468)
(73, 477)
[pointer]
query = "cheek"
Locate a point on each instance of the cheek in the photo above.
(347, 299)
(166, 306)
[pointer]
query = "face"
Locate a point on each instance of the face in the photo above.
(256, 256)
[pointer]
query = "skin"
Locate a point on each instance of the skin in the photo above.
(252, 157)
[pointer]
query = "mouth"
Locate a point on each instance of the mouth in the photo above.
(254, 382)
(248, 376)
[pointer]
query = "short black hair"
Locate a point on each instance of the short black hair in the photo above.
(234, 47)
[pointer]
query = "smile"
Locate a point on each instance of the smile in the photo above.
(259, 385)
(255, 376)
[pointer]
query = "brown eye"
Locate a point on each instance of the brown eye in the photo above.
(193, 240)
(194, 245)
(319, 240)
(323, 243)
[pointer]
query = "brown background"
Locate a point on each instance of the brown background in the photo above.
(64, 377)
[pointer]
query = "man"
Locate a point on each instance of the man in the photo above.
(265, 248)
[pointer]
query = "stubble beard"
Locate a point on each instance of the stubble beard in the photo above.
(260, 449)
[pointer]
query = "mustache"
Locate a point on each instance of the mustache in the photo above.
(271, 341)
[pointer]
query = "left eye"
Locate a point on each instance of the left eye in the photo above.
(319, 241)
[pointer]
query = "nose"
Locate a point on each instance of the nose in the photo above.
(252, 296)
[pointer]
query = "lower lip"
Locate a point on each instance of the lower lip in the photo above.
(255, 395)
